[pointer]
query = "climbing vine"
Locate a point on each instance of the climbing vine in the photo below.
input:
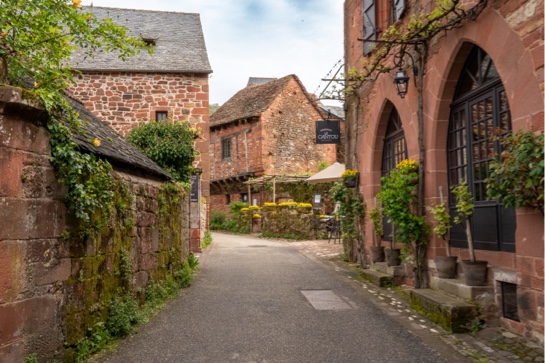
(351, 211)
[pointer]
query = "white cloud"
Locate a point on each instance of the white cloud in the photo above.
(261, 38)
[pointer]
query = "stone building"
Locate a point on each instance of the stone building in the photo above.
(267, 128)
(483, 74)
(169, 85)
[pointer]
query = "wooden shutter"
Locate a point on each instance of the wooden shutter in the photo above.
(399, 8)
(369, 25)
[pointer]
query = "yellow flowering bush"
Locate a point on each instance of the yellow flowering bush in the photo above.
(253, 207)
(257, 215)
(407, 166)
(349, 173)
(304, 205)
(288, 204)
(244, 209)
(269, 204)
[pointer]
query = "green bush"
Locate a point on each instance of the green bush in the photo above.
(184, 276)
(169, 144)
(207, 239)
(123, 314)
(217, 220)
(235, 208)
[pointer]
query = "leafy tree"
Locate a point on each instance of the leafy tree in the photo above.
(37, 39)
(169, 144)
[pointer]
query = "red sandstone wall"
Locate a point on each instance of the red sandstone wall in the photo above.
(519, 59)
(289, 145)
(42, 274)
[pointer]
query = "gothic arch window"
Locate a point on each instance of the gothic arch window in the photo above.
(479, 114)
(394, 151)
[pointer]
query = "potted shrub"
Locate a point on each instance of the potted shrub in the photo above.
(377, 250)
(445, 265)
(350, 178)
(399, 198)
(474, 270)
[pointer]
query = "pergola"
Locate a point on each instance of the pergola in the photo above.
(262, 180)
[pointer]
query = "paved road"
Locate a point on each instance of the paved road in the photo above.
(247, 305)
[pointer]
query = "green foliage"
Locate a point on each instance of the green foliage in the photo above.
(207, 240)
(193, 262)
(322, 165)
(122, 316)
(169, 144)
(235, 208)
(352, 209)
(464, 205)
(96, 338)
(442, 216)
(398, 195)
(184, 276)
(375, 215)
(217, 220)
(31, 358)
(87, 180)
(125, 268)
(516, 177)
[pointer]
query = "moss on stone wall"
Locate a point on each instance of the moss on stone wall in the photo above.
(143, 235)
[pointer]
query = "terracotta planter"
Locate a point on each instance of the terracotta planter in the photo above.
(377, 253)
(446, 266)
(475, 272)
(393, 257)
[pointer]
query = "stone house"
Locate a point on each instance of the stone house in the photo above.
(54, 286)
(485, 74)
(171, 85)
(267, 128)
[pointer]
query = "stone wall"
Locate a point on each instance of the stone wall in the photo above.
(125, 99)
(53, 288)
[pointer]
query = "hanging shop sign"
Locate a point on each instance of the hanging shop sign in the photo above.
(328, 132)
(194, 195)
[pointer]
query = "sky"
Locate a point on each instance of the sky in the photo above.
(261, 38)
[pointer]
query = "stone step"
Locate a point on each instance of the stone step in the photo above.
(389, 270)
(451, 313)
(378, 278)
(482, 295)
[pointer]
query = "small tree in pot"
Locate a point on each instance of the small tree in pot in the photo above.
(375, 215)
(474, 270)
(445, 265)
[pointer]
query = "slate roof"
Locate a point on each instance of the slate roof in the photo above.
(112, 146)
(336, 111)
(179, 43)
(259, 80)
(252, 101)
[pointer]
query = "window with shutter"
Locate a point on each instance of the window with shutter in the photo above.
(369, 25)
(397, 9)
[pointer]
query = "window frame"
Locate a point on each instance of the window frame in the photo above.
(161, 116)
(226, 148)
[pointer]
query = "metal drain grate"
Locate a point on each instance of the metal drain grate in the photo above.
(325, 300)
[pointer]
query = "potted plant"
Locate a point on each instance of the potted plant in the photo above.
(445, 265)
(377, 251)
(474, 270)
(399, 198)
(350, 178)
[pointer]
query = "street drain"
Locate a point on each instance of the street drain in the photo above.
(256, 246)
(325, 300)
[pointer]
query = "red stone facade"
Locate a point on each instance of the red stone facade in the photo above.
(280, 141)
(125, 99)
(511, 33)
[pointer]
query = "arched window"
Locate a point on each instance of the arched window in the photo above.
(394, 151)
(479, 114)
